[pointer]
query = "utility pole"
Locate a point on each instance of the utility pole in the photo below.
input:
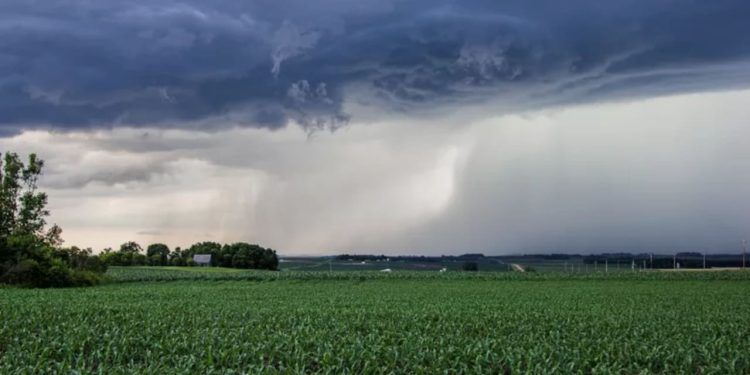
(674, 261)
(744, 251)
(704, 261)
(652, 260)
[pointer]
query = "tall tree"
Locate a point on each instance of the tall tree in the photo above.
(22, 207)
(32, 211)
(158, 252)
(10, 188)
(131, 248)
(28, 255)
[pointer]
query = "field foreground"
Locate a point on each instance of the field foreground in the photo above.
(380, 325)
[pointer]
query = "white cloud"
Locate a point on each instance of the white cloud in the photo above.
(623, 176)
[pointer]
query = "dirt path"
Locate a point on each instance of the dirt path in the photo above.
(517, 267)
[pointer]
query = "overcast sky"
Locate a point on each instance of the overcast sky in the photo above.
(388, 126)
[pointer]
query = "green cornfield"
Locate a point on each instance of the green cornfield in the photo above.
(162, 321)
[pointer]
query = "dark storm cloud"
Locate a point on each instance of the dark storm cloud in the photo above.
(78, 64)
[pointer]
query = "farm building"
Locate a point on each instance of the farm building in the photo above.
(202, 259)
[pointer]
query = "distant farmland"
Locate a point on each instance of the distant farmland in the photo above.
(540, 262)
(331, 263)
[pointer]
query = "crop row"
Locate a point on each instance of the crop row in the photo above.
(137, 274)
(402, 326)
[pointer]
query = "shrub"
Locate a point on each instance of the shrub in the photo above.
(25, 272)
(86, 278)
(48, 273)
(95, 264)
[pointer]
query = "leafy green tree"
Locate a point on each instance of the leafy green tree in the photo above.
(158, 254)
(131, 248)
(32, 212)
(10, 187)
(81, 259)
(112, 258)
(29, 255)
(244, 255)
(270, 260)
(178, 257)
(129, 254)
(132, 254)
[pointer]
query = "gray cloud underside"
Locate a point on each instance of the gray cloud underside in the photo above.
(204, 64)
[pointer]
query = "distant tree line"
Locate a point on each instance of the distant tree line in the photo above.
(408, 258)
(236, 255)
(552, 256)
(30, 253)
(684, 259)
